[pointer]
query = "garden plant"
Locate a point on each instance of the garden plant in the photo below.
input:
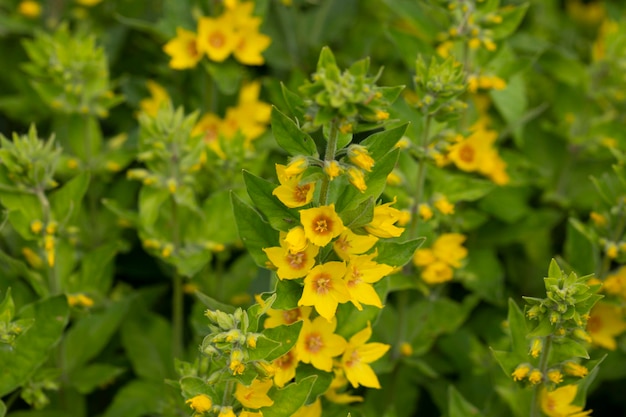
(275, 208)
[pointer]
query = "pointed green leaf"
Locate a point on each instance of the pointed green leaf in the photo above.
(554, 271)
(322, 383)
(7, 307)
(94, 376)
(380, 143)
(215, 305)
(289, 136)
(65, 202)
(395, 253)
(458, 406)
(31, 350)
(275, 342)
(518, 329)
(289, 399)
(255, 233)
(360, 216)
(150, 201)
(260, 192)
(138, 398)
(288, 292)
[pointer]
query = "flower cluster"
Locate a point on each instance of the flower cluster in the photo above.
(248, 118)
(438, 262)
(234, 32)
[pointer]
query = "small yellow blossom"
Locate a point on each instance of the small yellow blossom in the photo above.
(555, 376)
(311, 410)
(611, 250)
(290, 191)
(32, 258)
(357, 178)
(406, 349)
(443, 205)
(36, 226)
(296, 166)
(437, 273)
(425, 211)
(285, 368)
(290, 264)
(520, 372)
(360, 157)
(321, 224)
(183, 50)
(394, 179)
(158, 96)
(357, 357)
(535, 377)
(324, 288)
(318, 344)
(383, 222)
(605, 324)
(29, 9)
(226, 412)
(200, 403)
(535, 348)
(332, 169)
(449, 248)
(216, 37)
(361, 273)
(286, 317)
(575, 369)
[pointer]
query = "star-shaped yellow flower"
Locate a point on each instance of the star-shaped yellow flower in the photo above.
(558, 403)
(324, 289)
(255, 394)
(357, 357)
(183, 50)
(318, 344)
(361, 274)
(321, 224)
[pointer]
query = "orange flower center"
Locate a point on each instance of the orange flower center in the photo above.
(217, 39)
(467, 154)
(296, 260)
(344, 244)
(314, 342)
(210, 134)
(551, 404)
(322, 284)
(354, 359)
(285, 361)
(291, 316)
(594, 324)
(192, 48)
(356, 277)
(322, 225)
(300, 192)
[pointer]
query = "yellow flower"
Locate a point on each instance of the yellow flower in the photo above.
(394, 179)
(311, 410)
(210, 126)
(558, 403)
(255, 394)
(183, 50)
(32, 258)
(555, 376)
(158, 96)
(437, 273)
(80, 300)
(598, 219)
(520, 372)
(318, 344)
(349, 243)
(605, 324)
(200, 403)
(574, 369)
(226, 412)
(448, 248)
(356, 178)
(290, 192)
(425, 211)
(360, 157)
(285, 317)
(382, 224)
(535, 348)
(324, 288)
(296, 239)
(611, 250)
(424, 257)
(357, 357)
(250, 44)
(321, 224)
(362, 272)
(29, 9)
(535, 376)
(296, 166)
(332, 169)
(285, 368)
(292, 265)
(615, 284)
(216, 37)
(406, 349)
(444, 206)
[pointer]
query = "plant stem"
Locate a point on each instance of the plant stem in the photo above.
(421, 175)
(331, 148)
(543, 367)
(177, 316)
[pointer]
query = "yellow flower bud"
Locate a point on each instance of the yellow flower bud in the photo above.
(36, 226)
(535, 377)
(520, 372)
(332, 169)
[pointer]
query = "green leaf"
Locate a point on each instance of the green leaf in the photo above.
(512, 102)
(484, 275)
(89, 335)
(511, 18)
(276, 342)
(146, 338)
(459, 186)
(458, 406)
(150, 201)
(396, 253)
(27, 204)
(94, 376)
(255, 233)
(554, 271)
(7, 307)
(31, 350)
(508, 361)
(192, 386)
(580, 250)
(94, 269)
(227, 75)
(219, 222)
(288, 293)
(213, 304)
(380, 143)
(289, 399)
(568, 348)
(544, 328)
(3, 409)
(322, 383)
(13, 268)
(260, 192)
(360, 216)
(518, 329)
(137, 398)
(289, 136)
(65, 202)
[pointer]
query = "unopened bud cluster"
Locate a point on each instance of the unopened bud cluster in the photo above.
(438, 86)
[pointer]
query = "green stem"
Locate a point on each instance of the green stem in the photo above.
(331, 148)
(543, 367)
(421, 175)
(177, 316)
(617, 233)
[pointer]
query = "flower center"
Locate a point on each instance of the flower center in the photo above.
(355, 277)
(300, 192)
(285, 361)
(192, 49)
(314, 343)
(322, 284)
(594, 324)
(217, 39)
(291, 316)
(467, 154)
(354, 359)
(210, 134)
(322, 225)
(296, 260)
(344, 244)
